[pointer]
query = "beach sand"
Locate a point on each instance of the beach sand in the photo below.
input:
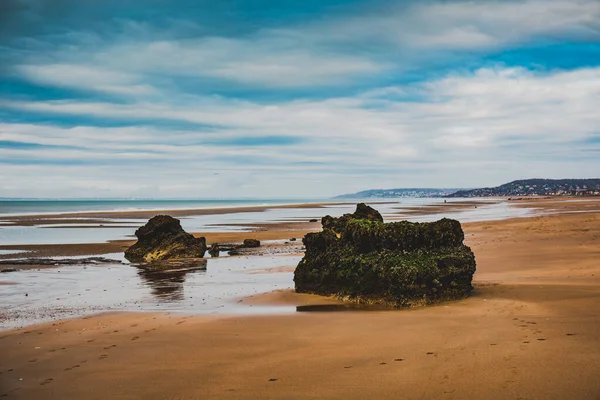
(531, 330)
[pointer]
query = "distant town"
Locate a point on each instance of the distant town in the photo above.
(398, 193)
(519, 188)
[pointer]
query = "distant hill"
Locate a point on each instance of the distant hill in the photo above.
(396, 193)
(539, 187)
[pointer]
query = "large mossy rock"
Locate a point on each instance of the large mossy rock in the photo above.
(163, 238)
(399, 263)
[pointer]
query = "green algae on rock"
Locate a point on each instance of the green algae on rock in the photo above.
(163, 238)
(402, 264)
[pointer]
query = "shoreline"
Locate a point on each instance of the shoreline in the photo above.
(284, 230)
(100, 215)
(294, 227)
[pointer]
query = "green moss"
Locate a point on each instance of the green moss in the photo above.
(399, 263)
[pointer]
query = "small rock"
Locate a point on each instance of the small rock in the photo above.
(214, 250)
(249, 243)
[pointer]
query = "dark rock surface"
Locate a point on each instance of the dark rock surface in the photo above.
(363, 211)
(214, 250)
(359, 257)
(163, 238)
(250, 243)
(179, 264)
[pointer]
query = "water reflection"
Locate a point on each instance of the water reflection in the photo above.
(167, 285)
(70, 291)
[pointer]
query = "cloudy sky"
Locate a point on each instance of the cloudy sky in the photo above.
(259, 98)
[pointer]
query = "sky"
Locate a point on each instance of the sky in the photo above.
(294, 99)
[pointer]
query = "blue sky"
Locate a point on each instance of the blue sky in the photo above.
(161, 98)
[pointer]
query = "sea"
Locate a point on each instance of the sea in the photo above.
(56, 206)
(77, 228)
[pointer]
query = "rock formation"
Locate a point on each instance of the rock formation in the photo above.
(249, 243)
(163, 238)
(214, 250)
(359, 257)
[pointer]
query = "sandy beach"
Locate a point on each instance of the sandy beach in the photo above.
(531, 330)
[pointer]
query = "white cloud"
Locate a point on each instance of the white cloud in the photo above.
(495, 103)
(258, 61)
(328, 52)
(86, 77)
(468, 25)
(491, 123)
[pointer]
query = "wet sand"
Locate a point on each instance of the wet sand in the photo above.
(52, 250)
(78, 218)
(292, 227)
(531, 330)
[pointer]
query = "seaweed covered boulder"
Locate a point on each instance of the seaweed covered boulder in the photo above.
(163, 238)
(363, 211)
(360, 258)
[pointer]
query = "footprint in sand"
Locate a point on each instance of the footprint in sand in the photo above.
(91, 340)
(180, 322)
(382, 363)
(110, 347)
(102, 356)
(348, 367)
(47, 381)
(135, 338)
(273, 380)
(33, 360)
(399, 359)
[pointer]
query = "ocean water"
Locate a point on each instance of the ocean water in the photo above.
(58, 206)
(115, 228)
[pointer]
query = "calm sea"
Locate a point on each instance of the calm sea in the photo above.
(28, 206)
